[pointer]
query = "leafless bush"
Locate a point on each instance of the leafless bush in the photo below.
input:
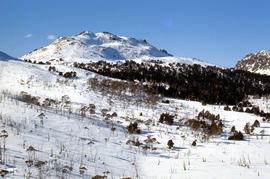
(3, 173)
(151, 140)
(236, 136)
(70, 74)
(256, 123)
(194, 143)
(65, 100)
(25, 97)
(52, 68)
(125, 90)
(248, 129)
(99, 177)
(166, 118)
(133, 128)
(82, 170)
(227, 108)
(233, 129)
(92, 108)
(49, 102)
(134, 142)
(207, 122)
(170, 144)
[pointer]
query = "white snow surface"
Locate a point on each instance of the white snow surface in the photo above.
(64, 138)
(88, 46)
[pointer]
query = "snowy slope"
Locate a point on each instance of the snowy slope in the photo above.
(66, 140)
(258, 62)
(88, 46)
(173, 60)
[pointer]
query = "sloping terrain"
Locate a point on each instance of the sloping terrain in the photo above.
(83, 124)
(258, 62)
(88, 46)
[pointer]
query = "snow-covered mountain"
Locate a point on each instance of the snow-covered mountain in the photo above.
(103, 45)
(88, 46)
(258, 62)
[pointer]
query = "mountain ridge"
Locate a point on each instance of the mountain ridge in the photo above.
(257, 62)
(101, 45)
(88, 46)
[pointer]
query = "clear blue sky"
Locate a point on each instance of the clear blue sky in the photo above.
(217, 31)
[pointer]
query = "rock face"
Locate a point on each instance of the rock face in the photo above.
(258, 62)
(100, 46)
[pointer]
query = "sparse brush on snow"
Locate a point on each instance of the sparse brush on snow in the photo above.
(124, 90)
(237, 135)
(133, 128)
(25, 97)
(166, 118)
(170, 144)
(207, 122)
(124, 118)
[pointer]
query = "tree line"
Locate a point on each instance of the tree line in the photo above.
(208, 84)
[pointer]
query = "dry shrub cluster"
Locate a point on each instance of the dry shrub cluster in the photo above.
(70, 74)
(52, 68)
(133, 128)
(149, 143)
(91, 108)
(237, 135)
(166, 118)
(194, 143)
(246, 106)
(124, 90)
(99, 177)
(47, 102)
(244, 103)
(40, 62)
(134, 142)
(25, 97)
(250, 129)
(170, 144)
(151, 140)
(206, 122)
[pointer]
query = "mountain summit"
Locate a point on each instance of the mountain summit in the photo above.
(258, 62)
(101, 46)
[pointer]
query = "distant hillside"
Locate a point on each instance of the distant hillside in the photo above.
(258, 62)
(89, 45)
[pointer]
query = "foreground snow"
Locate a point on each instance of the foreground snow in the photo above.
(65, 138)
